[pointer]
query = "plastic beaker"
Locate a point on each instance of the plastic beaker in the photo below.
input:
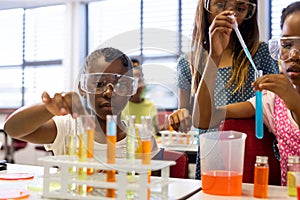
(222, 162)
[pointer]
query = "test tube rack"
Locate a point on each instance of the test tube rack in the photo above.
(173, 138)
(121, 186)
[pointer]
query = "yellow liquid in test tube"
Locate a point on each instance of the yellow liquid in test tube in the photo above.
(146, 136)
(131, 152)
(82, 154)
(139, 149)
(71, 151)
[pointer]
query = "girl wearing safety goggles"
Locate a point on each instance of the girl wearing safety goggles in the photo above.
(234, 74)
(106, 83)
(281, 92)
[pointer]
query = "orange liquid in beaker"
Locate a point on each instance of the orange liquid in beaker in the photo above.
(227, 183)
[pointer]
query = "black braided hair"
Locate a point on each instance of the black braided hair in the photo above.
(290, 9)
(110, 54)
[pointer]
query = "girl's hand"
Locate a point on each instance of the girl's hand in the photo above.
(181, 120)
(64, 103)
(219, 33)
(281, 86)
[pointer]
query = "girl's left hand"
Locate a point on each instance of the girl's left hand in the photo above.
(281, 86)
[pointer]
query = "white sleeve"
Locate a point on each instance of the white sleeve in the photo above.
(58, 146)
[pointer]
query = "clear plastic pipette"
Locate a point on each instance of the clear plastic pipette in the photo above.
(236, 29)
(259, 132)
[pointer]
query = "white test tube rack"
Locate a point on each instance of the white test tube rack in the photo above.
(121, 185)
(177, 138)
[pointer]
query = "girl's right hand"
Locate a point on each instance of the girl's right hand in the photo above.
(219, 33)
(64, 103)
(181, 120)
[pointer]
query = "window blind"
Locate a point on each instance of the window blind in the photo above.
(162, 33)
(44, 33)
(154, 25)
(115, 23)
(11, 50)
(32, 50)
(11, 58)
(188, 15)
(276, 10)
(44, 51)
(161, 30)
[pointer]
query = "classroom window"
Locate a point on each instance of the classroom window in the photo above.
(33, 43)
(32, 49)
(153, 31)
(276, 10)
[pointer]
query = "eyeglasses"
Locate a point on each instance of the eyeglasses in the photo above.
(284, 48)
(243, 9)
(97, 83)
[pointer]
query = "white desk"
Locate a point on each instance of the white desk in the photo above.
(274, 192)
(178, 188)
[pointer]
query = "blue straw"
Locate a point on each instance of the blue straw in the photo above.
(259, 131)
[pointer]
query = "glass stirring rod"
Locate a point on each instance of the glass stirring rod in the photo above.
(259, 131)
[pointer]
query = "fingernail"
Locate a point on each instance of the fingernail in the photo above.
(63, 110)
(75, 115)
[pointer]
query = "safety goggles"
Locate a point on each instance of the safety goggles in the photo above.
(284, 48)
(243, 9)
(97, 83)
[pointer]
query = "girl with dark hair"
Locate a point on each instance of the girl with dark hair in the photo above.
(107, 83)
(281, 92)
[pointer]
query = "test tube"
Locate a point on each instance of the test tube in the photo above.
(187, 138)
(130, 138)
(130, 150)
(88, 129)
(82, 155)
(146, 145)
(259, 132)
(259, 129)
(111, 139)
(71, 150)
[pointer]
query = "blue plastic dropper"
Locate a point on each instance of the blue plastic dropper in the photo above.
(259, 131)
